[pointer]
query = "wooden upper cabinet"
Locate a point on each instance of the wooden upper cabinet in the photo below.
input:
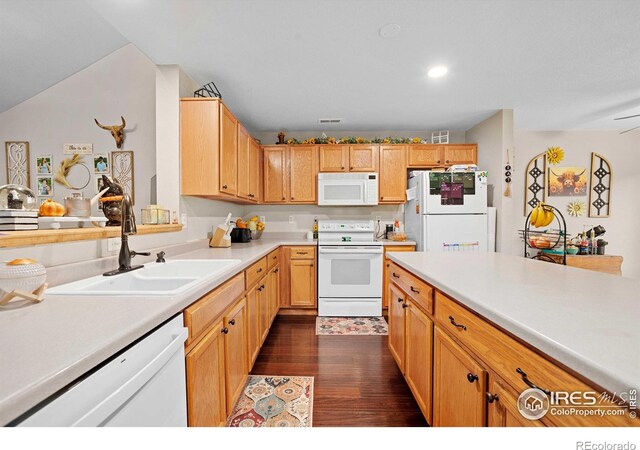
(460, 154)
(206, 406)
(459, 385)
(254, 171)
(244, 163)
(363, 158)
(199, 147)
(392, 181)
(334, 158)
(303, 174)
(228, 151)
(275, 174)
(425, 155)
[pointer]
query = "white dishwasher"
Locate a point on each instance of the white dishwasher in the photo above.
(144, 386)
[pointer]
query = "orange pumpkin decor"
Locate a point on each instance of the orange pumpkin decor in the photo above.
(49, 208)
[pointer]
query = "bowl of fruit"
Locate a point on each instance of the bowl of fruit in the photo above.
(255, 226)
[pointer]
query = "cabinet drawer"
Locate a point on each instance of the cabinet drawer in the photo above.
(203, 313)
(419, 291)
(303, 252)
(256, 271)
(514, 362)
(273, 258)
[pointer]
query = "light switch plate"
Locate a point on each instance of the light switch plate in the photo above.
(291, 219)
(183, 220)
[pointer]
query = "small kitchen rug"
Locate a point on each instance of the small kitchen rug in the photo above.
(360, 326)
(270, 401)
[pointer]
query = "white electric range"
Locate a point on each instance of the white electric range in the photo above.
(349, 269)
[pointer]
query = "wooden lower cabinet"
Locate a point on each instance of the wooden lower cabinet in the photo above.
(396, 324)
(418, 353)
(206, 405)
(385, 269)
(235, 352)
(263, 299)
(459, 385)
(273, 292)
(254, 334)
(502, 409)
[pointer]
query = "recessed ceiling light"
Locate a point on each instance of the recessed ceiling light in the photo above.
(437, 72)
(390, 30)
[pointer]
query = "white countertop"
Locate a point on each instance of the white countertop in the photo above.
(49, 345)
(587, 320)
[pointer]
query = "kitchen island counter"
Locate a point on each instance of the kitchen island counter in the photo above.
(585, 320)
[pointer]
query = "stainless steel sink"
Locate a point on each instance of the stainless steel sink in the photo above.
(155, 279)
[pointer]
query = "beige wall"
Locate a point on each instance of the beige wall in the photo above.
(623, 151)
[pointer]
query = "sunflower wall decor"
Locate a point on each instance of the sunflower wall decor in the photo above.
(576, 208)
(555, 155)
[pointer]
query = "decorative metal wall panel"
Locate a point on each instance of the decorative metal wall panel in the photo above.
(18, 163)
(535, 182)
(600, 192)
(122, 171)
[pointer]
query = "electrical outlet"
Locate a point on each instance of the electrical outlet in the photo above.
(113, 244)
(291, 220)
(183, 220)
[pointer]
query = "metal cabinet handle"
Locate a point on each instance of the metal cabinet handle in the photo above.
(529, 383)
(457, 325)
(276, 271)
(400, 300)
(283, 198)
(404, 305)
(262, 287)
(447, 161)
(471, 377)
(224, 186)
(259, 270)
(232, 322)
(393, 274)
(417, 291)
(275, 257)
(301, 253)
(492, 397)
(225, 330)
(438, 161)
(351, 168)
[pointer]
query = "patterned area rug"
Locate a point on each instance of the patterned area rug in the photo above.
(269, 401)
(362, 326)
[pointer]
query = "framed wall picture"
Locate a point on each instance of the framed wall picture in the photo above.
(44, 165)
(101, 163)
(45, 186)
(567, 181)
(17, 154)
(122, 171)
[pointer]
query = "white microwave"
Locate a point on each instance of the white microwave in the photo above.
(347, 189)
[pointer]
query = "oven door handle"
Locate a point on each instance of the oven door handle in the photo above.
(351, 251)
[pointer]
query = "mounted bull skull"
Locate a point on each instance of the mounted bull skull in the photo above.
(117, 131)
(568, 179)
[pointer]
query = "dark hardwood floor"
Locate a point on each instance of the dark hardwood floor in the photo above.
(357, 381)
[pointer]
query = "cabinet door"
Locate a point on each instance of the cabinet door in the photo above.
(363, 158)
(393, 174)
(263, 296)
(396, 324)
(385, 269)
(334, 158)
(426, 155)
(235, 352)
(275, 170)
(228, 151)
(206, 405)
(244, 163)
(303, 175)
(303, 282)
(460, 154)
(458, 385)
(418, 356)
(274, 293)
(503, 408)
(254, 171)
(254, 333)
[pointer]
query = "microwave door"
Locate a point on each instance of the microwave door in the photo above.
(340, 192)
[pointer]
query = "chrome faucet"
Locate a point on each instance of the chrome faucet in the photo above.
(128, 227)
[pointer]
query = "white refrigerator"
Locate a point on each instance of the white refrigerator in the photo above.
(447, 212)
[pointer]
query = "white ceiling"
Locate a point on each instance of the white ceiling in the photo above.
(282, 64)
